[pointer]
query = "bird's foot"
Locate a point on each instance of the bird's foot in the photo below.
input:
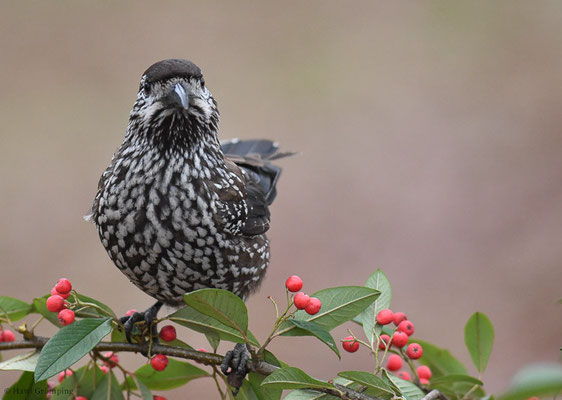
(234, 366)
(147, 317)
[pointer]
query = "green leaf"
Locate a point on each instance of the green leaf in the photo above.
(108, 389)
(339, 304)
(542, 380)
(85, 376)
(214, 340)
(64, 390)
(440, 360)
(145, 392)
(21, 362)
(318, 331)
(453, 378)
(176, 374)
(305, 394)
(222, 305)
(26, 388)
(369, 380)
(199, 322)
(407, 388)
(69, 345)
(247, 392)
(40, 307)
(14, 308)
(294, 378)
(263, 392)
(479, 339)
(89, 312)
(380, 282)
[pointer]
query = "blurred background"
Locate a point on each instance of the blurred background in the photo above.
(430, 147)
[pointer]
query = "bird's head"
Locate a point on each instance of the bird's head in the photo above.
(174, 106)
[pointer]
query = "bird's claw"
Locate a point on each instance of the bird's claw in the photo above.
(234, 366)
(147, 316)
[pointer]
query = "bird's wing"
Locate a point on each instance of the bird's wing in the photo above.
(243, 206)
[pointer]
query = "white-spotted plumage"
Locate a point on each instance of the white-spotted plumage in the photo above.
(173, 212)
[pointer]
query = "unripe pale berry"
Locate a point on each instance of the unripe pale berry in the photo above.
(399, 317)
(64, 374)
(168, 333)
(55, 303)
(130, 312)
(54, 292)
(350, 345)
(385, 316)
(294, 283)
(399, 339)
(407, 327)
(404, 375)
(63, 286)
(301, 300)
(424, 372)
(66, 317)
(113, 359)
(7, 336)
(414, 351)
(424, 381)
(104, 369)
(394, 362)
(313, 306)
(159, 362)
(384, 342)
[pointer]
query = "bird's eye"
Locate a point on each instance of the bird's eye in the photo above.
(145, 88)
(202, 81)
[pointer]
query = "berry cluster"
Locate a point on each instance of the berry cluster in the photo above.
(395, 343)
(56, 302)
(302, 301)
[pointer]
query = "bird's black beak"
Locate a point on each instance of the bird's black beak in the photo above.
(179, 96)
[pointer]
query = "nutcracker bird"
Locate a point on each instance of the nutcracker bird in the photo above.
(177, 210)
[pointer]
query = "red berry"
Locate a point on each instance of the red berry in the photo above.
(81, 398)
(159, 362)
(55, 303)
(64, 296)
(414, 351)
(159, 398)
(130, 312)
(63, 286)
(407, 327)
(104, 369)
(350, 345)
(113, 359)
(399, 317)
(168, 333)
(202, 350)
(8, 336)
(313, 306)
(66, 317)
(399, 339)
(64, 374)
(424, 381)
(384, 342)
(394, 362)
(294, 283)
(301, 300)
(404, 375)
(424, 372)
(385, 316)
